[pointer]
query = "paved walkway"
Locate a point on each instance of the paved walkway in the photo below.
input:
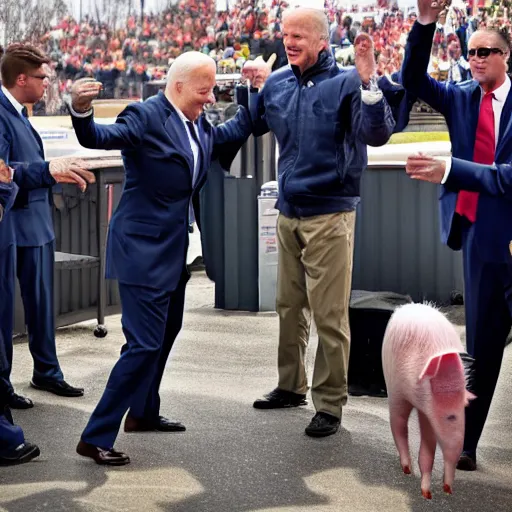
(232, 457)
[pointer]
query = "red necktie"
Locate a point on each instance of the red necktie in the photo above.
(483, 154)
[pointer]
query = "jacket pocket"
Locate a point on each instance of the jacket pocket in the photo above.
(134, 227)
(39, 194)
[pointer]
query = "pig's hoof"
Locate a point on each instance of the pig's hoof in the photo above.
(426, 494)
(406, 470)
(447, 489)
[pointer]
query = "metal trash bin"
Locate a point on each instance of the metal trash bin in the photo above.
(267, 246)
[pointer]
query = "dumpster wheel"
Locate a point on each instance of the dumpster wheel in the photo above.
(100, 331)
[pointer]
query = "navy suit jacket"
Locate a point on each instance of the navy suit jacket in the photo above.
(20, 144)
(148, 233)
(460, 105)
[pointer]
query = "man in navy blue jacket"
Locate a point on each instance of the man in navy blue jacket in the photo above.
(13, 448)
(475, 198)
(23, 82)
(323, 118)
(167, 145)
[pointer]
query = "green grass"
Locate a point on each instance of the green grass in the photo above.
(409, 137)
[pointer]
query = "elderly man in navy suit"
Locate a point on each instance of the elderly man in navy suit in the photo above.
(475, 195)
(13, 448)
(24, 82)
(167, 146)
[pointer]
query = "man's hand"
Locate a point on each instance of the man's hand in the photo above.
(83, 92)
(71, 170)
(5, 172)
(425, 168)
(365, 57)
(429, 10)
(257, 71)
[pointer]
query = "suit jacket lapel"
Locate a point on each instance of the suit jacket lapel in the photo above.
(10, 107)
(7, 104)
(202, 150)
(505, 125)
(176, 130)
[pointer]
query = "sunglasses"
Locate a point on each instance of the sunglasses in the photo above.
(484, 52)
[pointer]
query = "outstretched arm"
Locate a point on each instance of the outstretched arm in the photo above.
(126, 132)
(41, 174)
(457, 174)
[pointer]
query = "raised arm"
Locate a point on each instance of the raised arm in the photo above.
(417, 56)
(127, 132)
(372, 119)
(236, 129)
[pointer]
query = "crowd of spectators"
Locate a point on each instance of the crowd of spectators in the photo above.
(141, 50)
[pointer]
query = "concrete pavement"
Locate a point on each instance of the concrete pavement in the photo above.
(232, 457)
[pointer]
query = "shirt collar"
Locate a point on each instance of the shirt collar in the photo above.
(15, 103)
(179, 112)
(501, 93)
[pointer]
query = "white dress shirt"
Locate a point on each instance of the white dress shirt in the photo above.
(19, 108)
(193, 144)
(15, 103)
(498, 101)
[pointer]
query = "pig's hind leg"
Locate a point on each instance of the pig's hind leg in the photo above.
(427, 454)
(399, 412)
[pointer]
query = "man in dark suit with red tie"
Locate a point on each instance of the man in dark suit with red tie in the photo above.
(475, 205)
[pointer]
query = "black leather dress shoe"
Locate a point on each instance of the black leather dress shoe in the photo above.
(15, 401)
(322, 425)
(467, 462)
(280, 399)
(160, 425)
(57, 387)
(100, 456)
(23, 453)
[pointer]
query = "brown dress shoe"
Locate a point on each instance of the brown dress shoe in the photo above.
(101, 456)
(160, 425)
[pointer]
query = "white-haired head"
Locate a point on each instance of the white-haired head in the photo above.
(305, 36)
(190, 83)
(187, 65)
(315, 18)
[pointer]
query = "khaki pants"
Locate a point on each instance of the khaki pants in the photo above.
(315, 277)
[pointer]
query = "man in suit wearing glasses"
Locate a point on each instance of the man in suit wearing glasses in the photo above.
(24, 81)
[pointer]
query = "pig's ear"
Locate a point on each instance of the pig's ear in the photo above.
(469, 396)
(440, 364)
(431, 368)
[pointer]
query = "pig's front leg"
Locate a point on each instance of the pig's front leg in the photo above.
(427, 454)
(399, 412)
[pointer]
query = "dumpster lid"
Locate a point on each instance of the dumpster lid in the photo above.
(387, 301)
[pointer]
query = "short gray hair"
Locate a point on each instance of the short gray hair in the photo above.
(316, 17)
(183, 68)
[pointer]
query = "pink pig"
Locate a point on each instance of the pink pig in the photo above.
(423, 370)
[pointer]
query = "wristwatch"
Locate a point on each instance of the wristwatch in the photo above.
(372, 85)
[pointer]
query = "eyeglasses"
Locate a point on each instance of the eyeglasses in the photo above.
(40, 77)
(484, 52)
